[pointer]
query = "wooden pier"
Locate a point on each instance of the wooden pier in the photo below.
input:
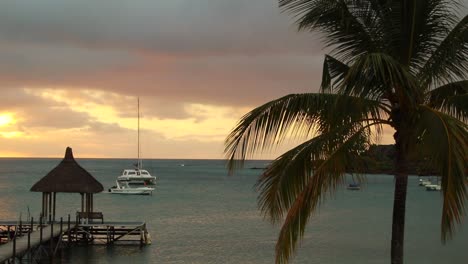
(34, 240)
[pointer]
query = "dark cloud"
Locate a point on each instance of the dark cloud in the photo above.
(175, 26)
(172, 53)
(232, 53)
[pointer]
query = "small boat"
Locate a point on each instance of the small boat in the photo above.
(433, 187)
(123, 187)
(354, 186)
(423, 182)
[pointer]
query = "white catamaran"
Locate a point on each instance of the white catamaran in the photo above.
(131, 181)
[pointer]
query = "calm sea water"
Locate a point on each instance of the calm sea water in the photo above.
(198, 214)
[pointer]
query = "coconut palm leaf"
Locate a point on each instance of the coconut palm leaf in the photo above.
(449, 61)
(299, 115)
(335, 70)
(451, 98)
(420, 25)
(346, 24)
(284, 179)
(377, 75)
(299, 181)
(435, 19)
(443, 140)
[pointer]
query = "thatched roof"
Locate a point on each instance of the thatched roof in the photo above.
(68, 176)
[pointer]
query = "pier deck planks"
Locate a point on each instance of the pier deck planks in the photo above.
(6, 250)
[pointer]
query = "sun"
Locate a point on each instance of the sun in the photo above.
(6, 119)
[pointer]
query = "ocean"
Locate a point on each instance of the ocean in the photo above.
(198, 214)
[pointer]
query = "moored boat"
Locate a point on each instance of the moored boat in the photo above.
(354, 186)
(122, 187)
(433, 187)
(423, 182)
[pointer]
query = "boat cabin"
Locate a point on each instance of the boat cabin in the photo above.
(136, 173)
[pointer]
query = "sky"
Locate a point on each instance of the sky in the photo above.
(71, 72)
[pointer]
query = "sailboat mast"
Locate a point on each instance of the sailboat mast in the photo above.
(139, 161)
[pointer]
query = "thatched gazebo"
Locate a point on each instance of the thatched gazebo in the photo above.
(67, 177)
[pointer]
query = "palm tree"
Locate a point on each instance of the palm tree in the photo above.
(402, 64)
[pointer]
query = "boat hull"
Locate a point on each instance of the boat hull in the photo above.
(424, 182)
(132, 191)
(353, 187)
(433, 187)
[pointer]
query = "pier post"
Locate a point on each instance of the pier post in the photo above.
(68, 230)
(107, 235)
(43, 205)
(20, 228)
(51, 246)
(61, 225)
(82, 202)
(46, 202)
(54, 200)
(40, 230)
(14, 246)
(29, 233)
(50, 207)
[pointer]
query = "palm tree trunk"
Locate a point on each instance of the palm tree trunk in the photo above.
(399, 203)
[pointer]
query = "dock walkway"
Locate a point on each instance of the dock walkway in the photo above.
(23, 244)
(19, 240)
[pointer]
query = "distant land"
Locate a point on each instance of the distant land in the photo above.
(379, 159)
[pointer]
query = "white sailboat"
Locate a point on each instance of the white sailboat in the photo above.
(138, 176)
(137, 179)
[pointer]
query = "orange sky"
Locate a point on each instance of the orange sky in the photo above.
(71, 72)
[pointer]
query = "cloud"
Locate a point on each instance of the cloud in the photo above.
(170, 82)
(175, 26)
(33, 112)
(71, 71)
(229, 53)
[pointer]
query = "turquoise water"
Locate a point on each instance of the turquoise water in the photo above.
(198, 214)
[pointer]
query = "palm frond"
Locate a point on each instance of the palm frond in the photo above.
(451, 98)
(284, 179)
(299, 115)
(434, 19)
(443, 140)
(378, 76)
(449, 62)
(349, 26)
(422, 24)
(299, 181)
(333, 73)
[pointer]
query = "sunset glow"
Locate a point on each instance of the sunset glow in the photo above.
(72, 78)
(6, 119)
